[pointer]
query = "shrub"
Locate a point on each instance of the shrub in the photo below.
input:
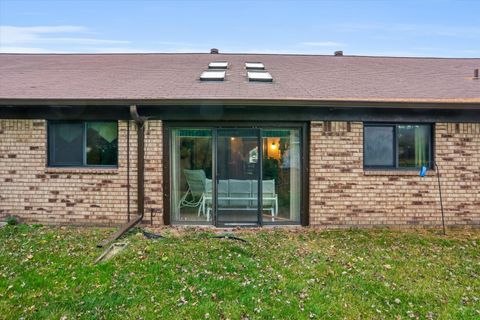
(12, 220)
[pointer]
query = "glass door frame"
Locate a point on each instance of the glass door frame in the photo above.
(304, 128)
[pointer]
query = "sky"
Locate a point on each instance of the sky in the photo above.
(438, 28)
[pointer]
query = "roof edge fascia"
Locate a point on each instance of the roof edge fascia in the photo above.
(471, 103)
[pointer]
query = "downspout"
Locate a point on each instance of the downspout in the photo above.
(140, 121)
(128, 170)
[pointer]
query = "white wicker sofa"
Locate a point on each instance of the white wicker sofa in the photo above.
(233, 194)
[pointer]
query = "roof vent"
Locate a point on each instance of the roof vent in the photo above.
(214, 51)
(254, 66)
(338, 53)
(218, 65)
(212, 76)
(262, 76)
(475, 74)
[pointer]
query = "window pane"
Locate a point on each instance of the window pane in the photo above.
(102, 143)
(378, 145)
(191, 190)
(413, 146)
(238, 176)
(66, 144)
(281, 175)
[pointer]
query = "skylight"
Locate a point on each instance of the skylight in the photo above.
(259, 76)
(254, 66)
(218, 65)
(212, 76)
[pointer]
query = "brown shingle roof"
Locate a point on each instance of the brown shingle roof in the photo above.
(296, 77)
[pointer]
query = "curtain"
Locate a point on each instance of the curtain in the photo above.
(295, 175)
(421, 146)
(69, 131)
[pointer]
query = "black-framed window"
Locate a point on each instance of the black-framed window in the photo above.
(82, 143)
(397, 145)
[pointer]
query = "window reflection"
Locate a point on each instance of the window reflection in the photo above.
(102, 143)
(379, 146)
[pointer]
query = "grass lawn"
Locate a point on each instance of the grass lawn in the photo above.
(48, 273)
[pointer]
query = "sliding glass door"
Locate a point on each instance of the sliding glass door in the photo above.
(238, 173)
(218, 173)
(191, 175)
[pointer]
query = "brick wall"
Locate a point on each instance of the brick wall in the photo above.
(343, 194)
(154, 171)
(38, 194)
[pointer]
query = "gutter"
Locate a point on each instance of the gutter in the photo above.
(140, 121)
(465, 103)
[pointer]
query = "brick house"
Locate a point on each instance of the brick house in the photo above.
(334, 141)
